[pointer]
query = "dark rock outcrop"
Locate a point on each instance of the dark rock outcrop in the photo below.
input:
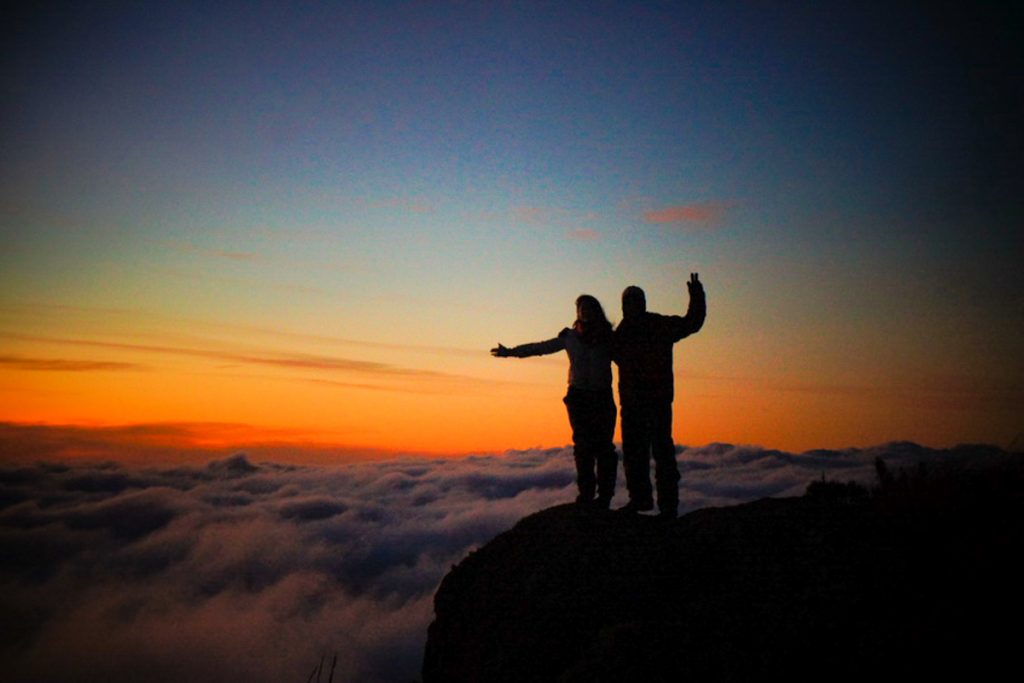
(821, 587)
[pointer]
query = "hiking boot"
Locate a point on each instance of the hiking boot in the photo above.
(633, 506)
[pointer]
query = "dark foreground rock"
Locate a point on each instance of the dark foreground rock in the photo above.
(922, 580)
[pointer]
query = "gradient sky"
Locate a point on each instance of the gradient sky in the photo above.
(308, 222)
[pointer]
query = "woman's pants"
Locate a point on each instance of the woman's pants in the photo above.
(592, 416)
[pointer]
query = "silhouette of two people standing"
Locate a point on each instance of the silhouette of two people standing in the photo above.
(642, 348)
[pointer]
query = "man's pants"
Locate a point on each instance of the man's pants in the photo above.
(646, 433)
(592, 416)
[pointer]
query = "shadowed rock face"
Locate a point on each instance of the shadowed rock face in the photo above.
(847, 588)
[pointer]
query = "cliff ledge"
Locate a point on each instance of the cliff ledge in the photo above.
(920, 578)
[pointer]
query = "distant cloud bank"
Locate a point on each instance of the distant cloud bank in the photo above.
(243, 570)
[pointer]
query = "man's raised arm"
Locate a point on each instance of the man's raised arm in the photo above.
(696, 312)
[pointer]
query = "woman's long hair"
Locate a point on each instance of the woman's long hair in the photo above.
(598, 331)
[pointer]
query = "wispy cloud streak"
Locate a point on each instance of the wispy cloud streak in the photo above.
(280, 360)
(64, 365)
(169, 442)
(584, 235)
(348, 341)
(697, 216)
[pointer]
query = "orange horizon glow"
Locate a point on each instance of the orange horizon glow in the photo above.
(304, 426)
(187, 384)
(210, 412)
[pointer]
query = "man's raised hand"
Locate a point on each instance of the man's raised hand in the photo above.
(694, 285)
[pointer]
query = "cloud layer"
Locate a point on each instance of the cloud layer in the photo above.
(233, 570)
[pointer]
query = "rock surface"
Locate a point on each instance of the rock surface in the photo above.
(828, 586)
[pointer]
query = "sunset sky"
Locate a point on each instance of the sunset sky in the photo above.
(243, 223)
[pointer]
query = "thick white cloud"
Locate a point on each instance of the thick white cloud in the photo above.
(235, 570)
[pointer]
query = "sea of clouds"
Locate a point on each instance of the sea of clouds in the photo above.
(252, 571)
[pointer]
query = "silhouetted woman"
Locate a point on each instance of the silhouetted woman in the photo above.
(589, 400)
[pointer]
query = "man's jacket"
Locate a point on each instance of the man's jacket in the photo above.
(642, 348)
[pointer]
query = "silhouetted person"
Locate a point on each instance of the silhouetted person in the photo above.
(589, 399)
(643, 351)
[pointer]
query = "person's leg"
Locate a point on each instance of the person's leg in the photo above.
(607, 458)
(580, 419)
(636, 448)
(666, 470)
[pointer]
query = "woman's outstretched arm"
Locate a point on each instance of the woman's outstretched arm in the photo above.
(525, 350)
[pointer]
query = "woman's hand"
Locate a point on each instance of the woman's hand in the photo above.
(500, 351)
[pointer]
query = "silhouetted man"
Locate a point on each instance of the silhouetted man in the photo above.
(643, 351)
